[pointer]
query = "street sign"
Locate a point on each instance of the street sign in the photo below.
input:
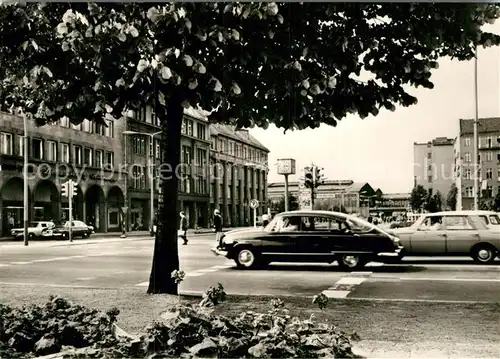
(124, 209)
(254, 203)
(286, 166)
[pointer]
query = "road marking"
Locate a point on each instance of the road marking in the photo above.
(85, 278)
(336, 293)
(375, 264)
(20, 263)
(4, 265)
(350, 280)
(208, 270)
(143, 284)
(430, 279)
(346, 284)
(194, 274)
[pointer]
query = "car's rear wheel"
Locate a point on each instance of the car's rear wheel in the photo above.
(246, 258)
(350, 261)
(484, 254)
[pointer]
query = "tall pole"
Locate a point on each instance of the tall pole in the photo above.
(151, 183)
(286, 193)
(313, 185)
(476, 140)
(25, 182)
(70, 200)
(125, 204)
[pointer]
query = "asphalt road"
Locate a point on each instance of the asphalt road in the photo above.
(117, 263)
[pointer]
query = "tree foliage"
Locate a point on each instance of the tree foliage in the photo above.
(295, 65)
(279, 206)
(451, 198)
(417, 198)
(433, 202)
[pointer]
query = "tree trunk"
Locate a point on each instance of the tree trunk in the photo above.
(166, 253)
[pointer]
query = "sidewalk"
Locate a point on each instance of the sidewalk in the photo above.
(104, 238)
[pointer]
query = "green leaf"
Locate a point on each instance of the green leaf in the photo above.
(272, 9)
(122, 37)
(188, 24)
(166, 73)
(34, 44)
(199, 68)
(133, 31)
(236, 89)
(228, 8)
(25, 45)
(271, 34)
(297, 66)
(188, 60)
(332, 82)
(153, 14)
(62, 29)
(247, 11)
(120, 82)
(161, 98)
(235, 34)
(97, 29)
(258, 351)
(142, 65)
(47, 71)
(193, 83)
(217, 86)
(280, 19)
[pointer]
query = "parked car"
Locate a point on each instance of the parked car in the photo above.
(78, 229)
(456, 233)
(310, 236)
(35, 229)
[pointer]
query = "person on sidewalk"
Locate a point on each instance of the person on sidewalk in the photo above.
(183, 228)
(217, 224)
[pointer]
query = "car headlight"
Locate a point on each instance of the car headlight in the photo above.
(395, 240)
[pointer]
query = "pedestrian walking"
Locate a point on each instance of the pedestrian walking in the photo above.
(183, 227)
(217, 224)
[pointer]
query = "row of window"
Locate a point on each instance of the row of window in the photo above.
(469, 191)
(239, 150)
(90, 127)
(188, 129)
(484, 142)
(488, 157)
(139, 147)
(54, 151)
(489, 173)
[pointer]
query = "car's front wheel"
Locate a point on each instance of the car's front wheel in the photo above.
(351, 261)
(246, 258)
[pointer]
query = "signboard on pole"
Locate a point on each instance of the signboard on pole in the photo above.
(305, 198)
(253, 205)
(286, 166)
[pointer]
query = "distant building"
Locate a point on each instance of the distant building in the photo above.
(351, 196)
(489, 160)
(238, 162)
(390, 204)
(433, 164)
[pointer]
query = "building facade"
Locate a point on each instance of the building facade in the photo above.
(89, 154)
(489, 160)
(193, 173)
(349, 196)
(238, 165)
(433, 164)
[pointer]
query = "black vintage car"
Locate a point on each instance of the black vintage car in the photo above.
(311, 236)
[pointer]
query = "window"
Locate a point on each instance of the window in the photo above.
(201, 131)
(20, 145)
(99, 129)
(65, 152)
(429, 178)
(110, 158)
(37, 149)
(189, 128)
(467, 142)
(322, 224)
(201, 157)
(139, 145)
(498, 157)
(429, 155)
(6, 143)
(64, 122)
(184, 127)
(186, 155)
(429, 168)
(158, 149)
(454, 223)
(489, 173)
(468, 157)
(489, 142)
(138, 173)
(87, 126)
(140, 114)
(489, 156)
(186, 184)
(109, 130)
(469, 192)
(77, 155)
(51, 151)
(99, 159)
(467, 173)
(494, 219)
(432, 223)
(212, 145)
(489, 191)
(499, 174)
(87, 157)
(76, 127)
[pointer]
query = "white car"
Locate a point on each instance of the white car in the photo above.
(490, 218)
(36, 229)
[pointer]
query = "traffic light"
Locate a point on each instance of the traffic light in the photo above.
(64, 189)
(308, 177)
(318, 177)
(74, 189)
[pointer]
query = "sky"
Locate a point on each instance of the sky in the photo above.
(379, 150)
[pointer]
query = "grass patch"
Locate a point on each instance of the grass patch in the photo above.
(402, 322)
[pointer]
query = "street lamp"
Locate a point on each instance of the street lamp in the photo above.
(25, 179)
(151, 179)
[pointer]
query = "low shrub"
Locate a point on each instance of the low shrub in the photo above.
(184, 331)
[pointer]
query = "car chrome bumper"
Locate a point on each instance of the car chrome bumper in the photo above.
(396, 253)
(219, 252)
